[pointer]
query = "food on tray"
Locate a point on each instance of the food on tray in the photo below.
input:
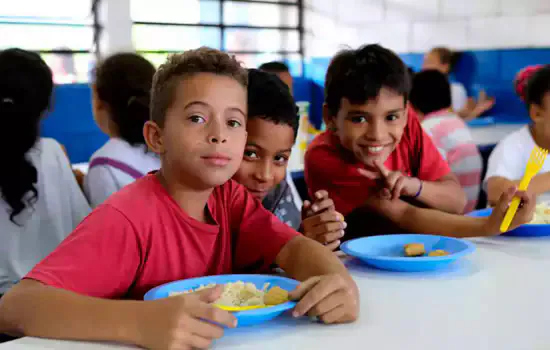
(438, 252)
(414, 249)
(245, 294)
(542, 214)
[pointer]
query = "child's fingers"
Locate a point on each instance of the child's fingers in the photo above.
(398, 187)
(321, 194)
(333, 246)
(330, 237)
(321, 230)
(505, 199)
(383, 170)
(306, 204)
(528, 203)
(324, 217)
(325, 204)
(369, 174)
(303, 288)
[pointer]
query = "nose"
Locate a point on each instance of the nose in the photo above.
(216, 133)
(263, 172)
(375, 131)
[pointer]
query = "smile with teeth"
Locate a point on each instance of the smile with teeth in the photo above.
(375, 149)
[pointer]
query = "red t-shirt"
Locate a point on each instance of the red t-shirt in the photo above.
(140, 238)
(330, 167)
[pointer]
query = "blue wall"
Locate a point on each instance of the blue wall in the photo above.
(71, 121)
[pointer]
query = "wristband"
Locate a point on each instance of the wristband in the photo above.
(419, 190)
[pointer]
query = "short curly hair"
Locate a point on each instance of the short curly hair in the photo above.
(188, 63)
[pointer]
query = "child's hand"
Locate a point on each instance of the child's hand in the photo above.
(321, 202)
(184, 322)
(524, 214)
(397, 183)
(326, 227)
(331, 298)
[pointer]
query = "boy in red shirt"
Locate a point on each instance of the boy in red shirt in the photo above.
(272, 126)
(184, 221)
(372, 143)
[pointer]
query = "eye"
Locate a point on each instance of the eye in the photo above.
(358, 119)
(197, 119)
(250, 154)
(392, 117)
(234, 123)
(280, 159)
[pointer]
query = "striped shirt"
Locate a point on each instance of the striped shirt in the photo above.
(456, 144)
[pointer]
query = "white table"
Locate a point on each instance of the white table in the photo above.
(498, 298)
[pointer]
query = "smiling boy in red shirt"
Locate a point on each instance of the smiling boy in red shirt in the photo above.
(187, 220)
(373, 143)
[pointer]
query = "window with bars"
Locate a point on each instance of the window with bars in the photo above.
(62, 31)
(255, 31)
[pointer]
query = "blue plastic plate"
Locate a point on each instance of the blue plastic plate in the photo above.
(244, 318)
(529, 230)
(386, 252)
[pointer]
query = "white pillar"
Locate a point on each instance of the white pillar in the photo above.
(117, 27)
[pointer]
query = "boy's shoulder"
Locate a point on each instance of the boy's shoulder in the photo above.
(520, 137)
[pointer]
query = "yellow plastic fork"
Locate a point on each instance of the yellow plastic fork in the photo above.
(535, 163)
(241, 308)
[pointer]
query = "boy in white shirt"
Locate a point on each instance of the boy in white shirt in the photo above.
(508, 160)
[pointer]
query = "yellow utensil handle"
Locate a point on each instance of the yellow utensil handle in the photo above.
(510, 213)
(239, 308)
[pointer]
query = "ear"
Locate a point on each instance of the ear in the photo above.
(97, 103)
(152, 133)
(535, 112)
(330, 121)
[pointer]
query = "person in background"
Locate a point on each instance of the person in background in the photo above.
(431, 99)
(509, 158)
(120, 100)
(444, 60)
(41, 203)
(189, 219)
(281, 70)
(272, 126)
(377, 164)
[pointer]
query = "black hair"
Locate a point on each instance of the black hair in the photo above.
(123, 81)
(274, 67)
(430, 91)
(447, 56)
(538, 86)
(270, 99)
(358, 75)
(26, 86)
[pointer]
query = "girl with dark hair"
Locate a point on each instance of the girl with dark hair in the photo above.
(444, 60)
(40, 203)
(507, 161)
(120, 101)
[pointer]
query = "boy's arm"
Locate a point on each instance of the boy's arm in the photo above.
(496, 185)
(430, 221)
(32, 308)
(445, 194)
(327, 291)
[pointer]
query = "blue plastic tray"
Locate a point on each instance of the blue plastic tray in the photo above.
(386, 252)
(244, 318)
(530, 230)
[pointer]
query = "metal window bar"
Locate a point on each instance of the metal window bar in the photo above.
(222, 26)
